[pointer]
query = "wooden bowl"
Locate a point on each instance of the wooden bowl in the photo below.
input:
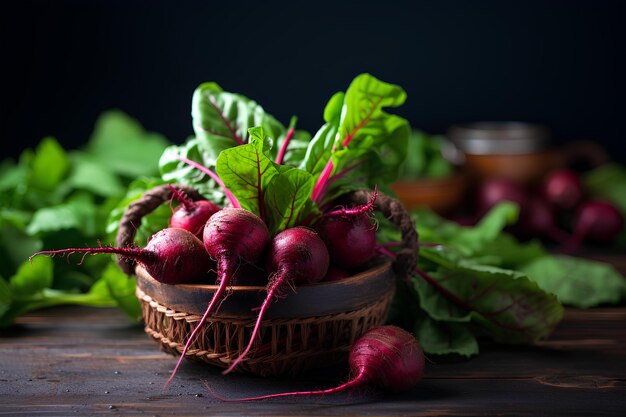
(314, 326)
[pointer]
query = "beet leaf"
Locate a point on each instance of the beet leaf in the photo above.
(360, 145)
(505, 304)
(222, 119)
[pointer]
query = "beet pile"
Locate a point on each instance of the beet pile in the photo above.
(340, 243)
(558, 210)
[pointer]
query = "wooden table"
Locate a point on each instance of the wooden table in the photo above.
(86, 361)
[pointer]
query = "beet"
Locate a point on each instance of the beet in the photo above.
(296, 256)
(387, 357)
(191, 215)
(597, 221)
(563, 189)
(538, 219)
(351, 240)
(496, 190)
(232, 236)
(172, 256)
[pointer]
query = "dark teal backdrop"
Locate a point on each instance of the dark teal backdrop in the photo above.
(555, 62)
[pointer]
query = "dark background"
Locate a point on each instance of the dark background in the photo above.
(560, 63)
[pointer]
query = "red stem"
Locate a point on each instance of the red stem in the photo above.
(138, 254)
(231, 197)
(321, 182)
(326, 183)
(358, 380)
(187, 203)
(271, 292)
(444, 291)
(384, 251)
(356, 210)
(319, 188)
(225, 271)
(463, 305)
(283, 149)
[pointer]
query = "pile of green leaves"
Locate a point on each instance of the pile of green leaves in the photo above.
(52, 198)
(425, 157)
(481, 282)
(360, 145)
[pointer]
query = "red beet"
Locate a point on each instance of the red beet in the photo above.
(297, 255)
(596, 221)
(191, 215)
(496, 190)
(232, 236)
(563, 189)
(386, 357)
(172, 256)
(538, 220)
(351, 240)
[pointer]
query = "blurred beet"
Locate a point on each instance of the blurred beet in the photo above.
(597, 221)
(563, 189)
(496, 190)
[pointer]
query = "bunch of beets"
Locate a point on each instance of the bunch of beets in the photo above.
(205, 243)
(559, 209)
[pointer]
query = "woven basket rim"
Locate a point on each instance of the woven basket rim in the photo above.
(380, 265)
(306, 300)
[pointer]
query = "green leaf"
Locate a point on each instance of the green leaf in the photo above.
(48, 166)
(122, 289)
(79, 212)
(578, 282)
(6, 297)
(287, 197)
(371, 164)
(446, 338)
(488, 229)
(608, 181)
(94, 176)
(425, 158)
(363, 113)
(369, 145)
(507, 252)
(32, 277)
(121, 143)
(506, 304)
(221, 120)
(319, 149)
(177, 172)
(15, 246)
(246, 171)
(12, 176)
(471, 241)
(332, 111)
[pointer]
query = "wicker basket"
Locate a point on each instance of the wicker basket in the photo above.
(312, 327)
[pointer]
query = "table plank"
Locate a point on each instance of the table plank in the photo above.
(86, 361)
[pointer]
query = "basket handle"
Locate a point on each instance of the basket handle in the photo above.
(135, 211)
(394, 210)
